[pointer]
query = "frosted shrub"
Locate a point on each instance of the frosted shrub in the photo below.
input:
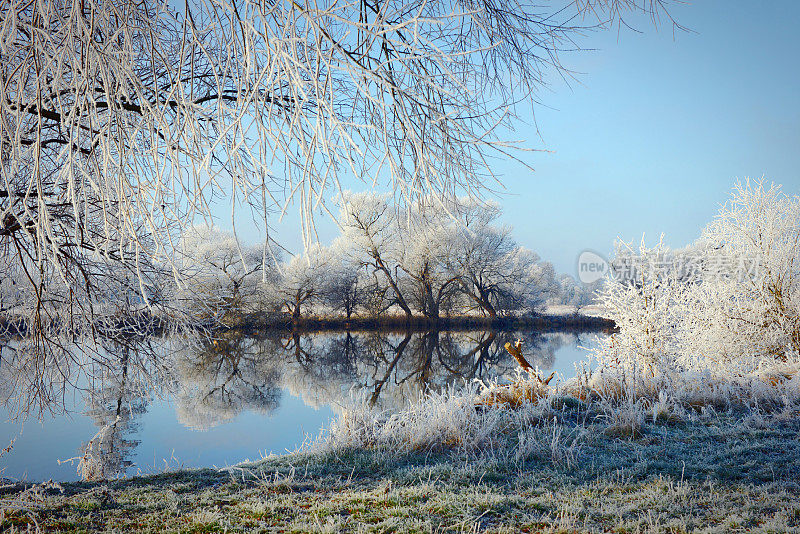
(727, 306)
(643, 301)
(753, 313)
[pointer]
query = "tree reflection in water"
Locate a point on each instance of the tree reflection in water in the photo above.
(113, 403)
(211, 381)
(216, 380)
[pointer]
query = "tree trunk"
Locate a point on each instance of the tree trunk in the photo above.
(398, 296)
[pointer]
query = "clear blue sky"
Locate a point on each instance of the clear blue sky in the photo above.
(654, 133)
(659, 129)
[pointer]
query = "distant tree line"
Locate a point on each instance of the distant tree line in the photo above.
(434, 260)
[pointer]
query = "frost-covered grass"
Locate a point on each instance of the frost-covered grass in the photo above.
(512, 420)
(555, 465)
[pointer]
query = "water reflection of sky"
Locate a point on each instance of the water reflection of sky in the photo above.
(162, 437)
(249, 397)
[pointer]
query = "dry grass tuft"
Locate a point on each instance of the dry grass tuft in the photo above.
(513, 395)
(527, 388)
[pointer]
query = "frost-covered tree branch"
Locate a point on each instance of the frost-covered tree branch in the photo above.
(122, 122)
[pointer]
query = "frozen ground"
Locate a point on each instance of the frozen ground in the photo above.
(716, 473)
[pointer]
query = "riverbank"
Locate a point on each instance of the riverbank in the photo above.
(715, 473)
(256, 324)
(559, 319)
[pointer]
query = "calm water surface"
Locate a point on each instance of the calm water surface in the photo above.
(171, 403)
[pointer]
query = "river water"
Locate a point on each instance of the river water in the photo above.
(169, 403)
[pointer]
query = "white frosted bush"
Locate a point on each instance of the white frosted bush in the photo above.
(752, 311)
(728, 305)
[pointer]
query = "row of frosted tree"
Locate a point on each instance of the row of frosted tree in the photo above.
(437, 259)
(434, 260)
